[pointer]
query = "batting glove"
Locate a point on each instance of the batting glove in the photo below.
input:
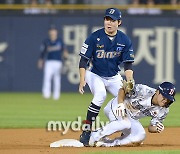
(159, 127)
(121, 110)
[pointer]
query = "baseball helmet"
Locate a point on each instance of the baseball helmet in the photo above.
(168, 90)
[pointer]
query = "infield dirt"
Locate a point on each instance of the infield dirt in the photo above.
(36, 141)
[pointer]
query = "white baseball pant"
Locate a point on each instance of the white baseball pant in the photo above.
(133, 131)
(52, 73)
(98, 86)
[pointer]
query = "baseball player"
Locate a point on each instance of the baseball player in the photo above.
(102, 53)
(52, 52)
(124, 112)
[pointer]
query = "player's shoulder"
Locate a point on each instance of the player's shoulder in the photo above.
(98, 32)
(143, 86)
(59, 39)
(46, 40)
(144, 89)
(122, 33)
(95, 35)
(124, 36)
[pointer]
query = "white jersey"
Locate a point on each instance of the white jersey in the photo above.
(139, 105)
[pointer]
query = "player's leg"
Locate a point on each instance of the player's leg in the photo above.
(114, 84)
(48, 73)
(112, 127)
(116, 123)
(136, 136)
(109, 111)
(138, 133)
(110, 114)
(57, 80)
(98, 90)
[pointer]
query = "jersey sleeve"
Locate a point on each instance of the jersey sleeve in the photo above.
(43, 49)
(87, 48)
(63, 45)
(128, 54)
(160, 116)
(144, 92)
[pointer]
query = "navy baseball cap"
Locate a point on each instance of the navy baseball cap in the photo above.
(113, 13)
(52, 27)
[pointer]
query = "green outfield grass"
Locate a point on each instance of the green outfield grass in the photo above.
(30, 110)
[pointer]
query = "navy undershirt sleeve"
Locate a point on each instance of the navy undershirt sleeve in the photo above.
(83, 62)
(127, 66)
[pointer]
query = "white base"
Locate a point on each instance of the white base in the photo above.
(66, 143)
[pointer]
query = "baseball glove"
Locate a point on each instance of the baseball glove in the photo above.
(128, 85)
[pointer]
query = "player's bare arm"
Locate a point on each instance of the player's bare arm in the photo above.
(82, 83)
(40, 63)
(121, 95)
(129, 75)
(65, 54)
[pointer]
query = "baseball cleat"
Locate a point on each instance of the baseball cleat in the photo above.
(84, 138)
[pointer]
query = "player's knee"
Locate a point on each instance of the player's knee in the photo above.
(102, 95)
(142, 136)
(139, 138)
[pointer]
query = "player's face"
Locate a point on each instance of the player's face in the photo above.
(111, 26)
(53, 34)
(161, 100)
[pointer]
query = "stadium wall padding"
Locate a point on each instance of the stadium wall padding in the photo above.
(156, 42)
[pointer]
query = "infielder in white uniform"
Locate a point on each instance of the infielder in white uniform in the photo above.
(124, 112)
(53, 51)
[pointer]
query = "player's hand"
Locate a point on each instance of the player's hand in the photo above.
(121, 110)
(159, 127)
(40, 63)
(128, 85)
(81, 87)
